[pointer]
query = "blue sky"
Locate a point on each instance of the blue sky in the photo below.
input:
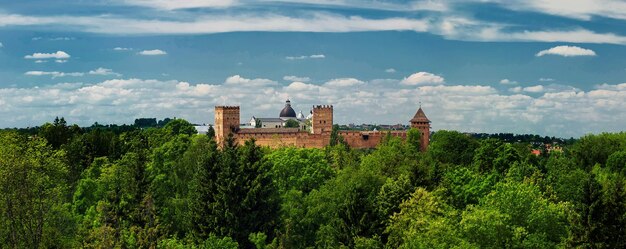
(550, 67)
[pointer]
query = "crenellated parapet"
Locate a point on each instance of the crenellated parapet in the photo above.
(227, 121)
(322, 120)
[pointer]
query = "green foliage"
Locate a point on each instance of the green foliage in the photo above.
(515, 214)
(452, 147)
(212, 242)
(32, 191)
(413, 140)
(298, 169)
(425, 221)
(345, 208)
(235, 197)
(464, 187)
(617, 162)
(124, 187)
(180, 126)
(592, 149)
(335, 138)
(211, 132)
(292, 123)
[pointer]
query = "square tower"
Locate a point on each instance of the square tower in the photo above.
(322, 120)
(226, 122)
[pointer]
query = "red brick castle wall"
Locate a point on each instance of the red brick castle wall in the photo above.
(227, 121)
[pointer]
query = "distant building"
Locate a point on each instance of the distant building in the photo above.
(313, 131)
(285, 115)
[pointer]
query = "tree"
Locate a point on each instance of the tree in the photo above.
(601, 214)
(292, 123)
(452, 147)
(180, 126)
(168, 176)
(57, 133)
(424, 221)
(463, 186)
(617, 162)
(413, 140)
(203, 188)
(486, 154)
(145, 122)
(344, 209)
(592, 149)
(211, 132)
(244, 200)
(32, 194)
(515, 215)
(298, 169)
(258, 123)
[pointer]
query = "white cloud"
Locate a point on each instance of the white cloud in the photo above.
(122, 49)
(303, 57)
(472, 108)
(53, 74)
(508, 82)
(238, 80)
(56, 74)
(56, 55)
(577, 9)
(301, 86)
(296, 78)
(343, 82)
(449, 26)
(534, 89)
(104, 71)
(186, 4)
(390, 70)
(546, 79)
(62, 38)
(422, 78)
(517, 89)
(567, 51)
(152, 52)
(60, 61)
(1, 45)
(41, 61)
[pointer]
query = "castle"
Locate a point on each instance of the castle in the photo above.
(316, 134)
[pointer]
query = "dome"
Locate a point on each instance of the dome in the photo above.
(287, 112)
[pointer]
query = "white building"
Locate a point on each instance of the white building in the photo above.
(286, 114)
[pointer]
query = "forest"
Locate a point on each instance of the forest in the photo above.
(63, 186)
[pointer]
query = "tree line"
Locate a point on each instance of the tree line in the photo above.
(167, 187)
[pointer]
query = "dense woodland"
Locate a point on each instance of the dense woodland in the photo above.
(63, 186)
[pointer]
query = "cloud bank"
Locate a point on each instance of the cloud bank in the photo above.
(547, 109)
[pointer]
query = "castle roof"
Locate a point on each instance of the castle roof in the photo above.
(420, 116)
(268, 130)
(287, 112)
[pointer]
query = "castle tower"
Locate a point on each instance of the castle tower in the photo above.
(421, 122)
(226, 122)
(322, 121)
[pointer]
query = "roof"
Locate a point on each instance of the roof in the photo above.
(287, 112)
(420, 116)
(269, 130)
(270, 120)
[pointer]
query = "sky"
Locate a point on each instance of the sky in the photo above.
(547, 67)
